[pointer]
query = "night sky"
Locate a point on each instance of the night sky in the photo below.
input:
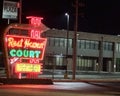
(97, 16)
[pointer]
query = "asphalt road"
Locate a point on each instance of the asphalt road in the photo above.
(62, 89)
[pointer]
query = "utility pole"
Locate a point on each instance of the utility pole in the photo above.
(67, 45)
(75, 41)
(20, 11)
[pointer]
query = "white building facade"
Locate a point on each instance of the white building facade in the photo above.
(95, 52)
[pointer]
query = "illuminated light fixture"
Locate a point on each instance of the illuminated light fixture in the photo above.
(66, 14)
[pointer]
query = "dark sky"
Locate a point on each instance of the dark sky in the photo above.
(97, 16)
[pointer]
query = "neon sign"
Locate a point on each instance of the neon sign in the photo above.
(35, 34)
(20, 42)
(25, 52)
(26, 67)
(26, 47)
(35, 21)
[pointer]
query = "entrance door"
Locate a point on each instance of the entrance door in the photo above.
(106, 65)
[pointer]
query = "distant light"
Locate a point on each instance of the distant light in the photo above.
(59, 55)
(1, 53)
(114, 66)
(66, 14)
(118, 35)
(53, 28)
(78, 34)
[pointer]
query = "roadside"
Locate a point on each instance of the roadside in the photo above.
(81, 76)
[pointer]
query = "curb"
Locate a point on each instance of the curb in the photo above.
(89, 80)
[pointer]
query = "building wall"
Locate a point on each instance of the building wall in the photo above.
(89, 52)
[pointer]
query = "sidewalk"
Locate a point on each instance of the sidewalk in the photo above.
(85, 77)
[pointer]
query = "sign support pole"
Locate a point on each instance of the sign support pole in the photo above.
(8, 21)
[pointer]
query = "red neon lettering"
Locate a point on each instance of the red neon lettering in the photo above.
(35, 21)
(34, 61)
(30, 44)
(35, 34)
(14, 43)
(24, 43)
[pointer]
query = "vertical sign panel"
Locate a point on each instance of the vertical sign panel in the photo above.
(10, 10)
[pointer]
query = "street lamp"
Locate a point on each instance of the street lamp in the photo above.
(67, 43)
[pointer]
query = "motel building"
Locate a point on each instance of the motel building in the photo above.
(95, 52)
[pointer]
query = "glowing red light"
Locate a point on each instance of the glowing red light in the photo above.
(34, 61)
(35, 34)
(35, 21)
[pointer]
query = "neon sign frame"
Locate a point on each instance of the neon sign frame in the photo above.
(34, 34)
(21, 42)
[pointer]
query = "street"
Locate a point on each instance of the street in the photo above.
(62, 89)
